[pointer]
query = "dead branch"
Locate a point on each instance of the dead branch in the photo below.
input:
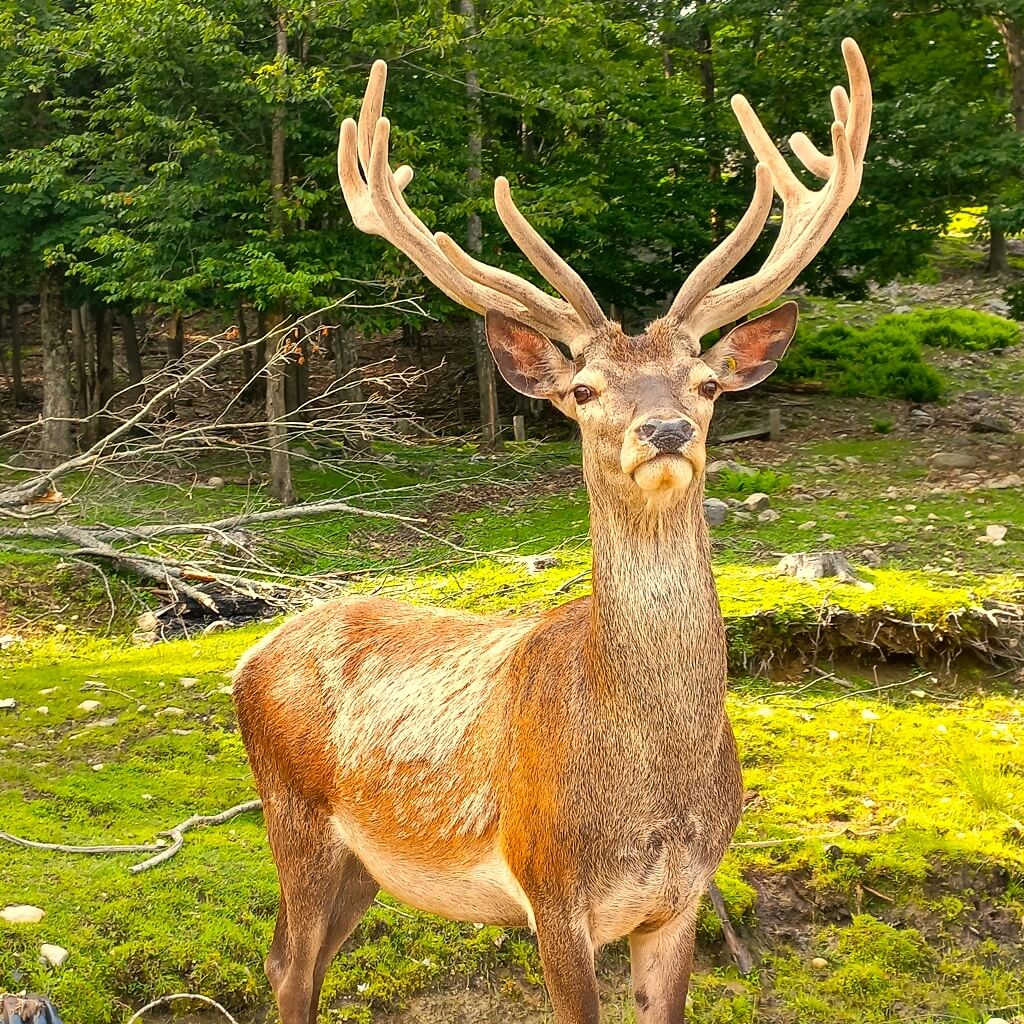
(740, 953)
(31, 844)
(177, 834)
(137, 1015)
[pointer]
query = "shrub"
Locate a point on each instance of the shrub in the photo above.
(882, 425)
(964, 329)
(738, 485)
(882, 361)
(1014, 296)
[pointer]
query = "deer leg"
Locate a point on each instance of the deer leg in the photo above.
(567, 956)
(661, 962)
(325, 890)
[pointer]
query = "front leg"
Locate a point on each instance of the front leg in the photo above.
(567, 956)
(661, 962)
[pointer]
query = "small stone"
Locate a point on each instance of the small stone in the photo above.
(535, 564)
(22, 913)
(756, 502)
(832, 734)
(954, 460)
(716, 467)
(900, 519)
(48, 691)
(51, 955)
(8, 704)
(97, 767)
(941, 730)
(769, 515)
(990, 425)
(227, 691)
(188, 682)
(88, 706)
(715, 511)
(995, 532)
(869, 803)
(147, 622)
(809, 525)
(997, 1020)
(216, 482)
(1010, 480)
(819, 963)
(869, 716)
(42, 710)
(171, 712)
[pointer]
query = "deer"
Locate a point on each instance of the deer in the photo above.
(573, 771)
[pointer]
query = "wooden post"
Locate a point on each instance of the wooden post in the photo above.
(774, 424)
(519, 428)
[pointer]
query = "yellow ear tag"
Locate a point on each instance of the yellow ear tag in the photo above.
(730, 364)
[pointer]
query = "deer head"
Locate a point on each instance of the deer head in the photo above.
(643, 403)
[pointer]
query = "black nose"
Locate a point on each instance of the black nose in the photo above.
(666, 435)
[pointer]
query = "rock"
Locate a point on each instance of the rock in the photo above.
(171, 712)
(88, 706)
(1010, 480)
(188, 682)
(216, 482)
(22, 913)
(990, 424)
(716, 467)
(920, 418)
(217, 626)
(903, 309)
(51, 955)
(101, 723)
(816, 565)
(715, 511)
(954, 460)
(996, 305)
(42, 710)
(900, 519)
(538, 563)
(756, 502)
(809, 525)
(8, 704)
(148, 621)
(769, 515)
(819, 963)
(995, 532)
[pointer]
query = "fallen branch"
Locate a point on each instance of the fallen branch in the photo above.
(137, 1015)
(177, 834)
(163, 850)
(740, 953)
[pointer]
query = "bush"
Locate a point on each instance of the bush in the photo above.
(739, 485)
(1014, 296)
(882, 361)
(964, 329)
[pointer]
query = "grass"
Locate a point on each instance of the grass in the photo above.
(830, 776)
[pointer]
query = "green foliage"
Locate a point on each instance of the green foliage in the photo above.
(881, 361)
(1014, 296)
(735, 484)
(882, 424)
(964, 329)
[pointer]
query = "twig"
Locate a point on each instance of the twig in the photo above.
(872, 689)
(740, 953)
(137, 1015)
(177, 834)
(31, 844)
(109, 689)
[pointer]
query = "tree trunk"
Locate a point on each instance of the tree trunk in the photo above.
(247, 361)
(14, 328)
(281, 486)
(57, 441)
(130, 341)
(1013, 40)
(707, 77)
(489, 425)
(176, 338)
(104, 369)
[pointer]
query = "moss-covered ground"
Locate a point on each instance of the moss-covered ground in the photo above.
(879, 868)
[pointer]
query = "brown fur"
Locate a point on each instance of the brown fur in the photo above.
(574, 771)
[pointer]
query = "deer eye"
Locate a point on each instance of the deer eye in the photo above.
(710, 388)
(582, 393)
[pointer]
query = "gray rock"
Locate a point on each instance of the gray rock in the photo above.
(715, 511)
(216, 482)
(757, 502)
(51, 955)
(954, 460)
(769, 515)
(1010, 480)
(816, 565)
(990, 424)
(903, 309)
(716, 467)
(22, 913)
(996, 305)
(8, 704)
(538, 563)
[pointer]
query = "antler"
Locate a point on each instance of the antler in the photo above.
(808, 217)
(373, 193)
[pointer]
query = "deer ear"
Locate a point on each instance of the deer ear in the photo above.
(530, 363)
(750, 352)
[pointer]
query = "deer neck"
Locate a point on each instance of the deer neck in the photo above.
(656, 627)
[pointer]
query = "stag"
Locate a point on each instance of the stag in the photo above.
(575, 771)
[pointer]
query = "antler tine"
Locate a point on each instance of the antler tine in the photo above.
(548, 263)
(373, 193)
(808, 217)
